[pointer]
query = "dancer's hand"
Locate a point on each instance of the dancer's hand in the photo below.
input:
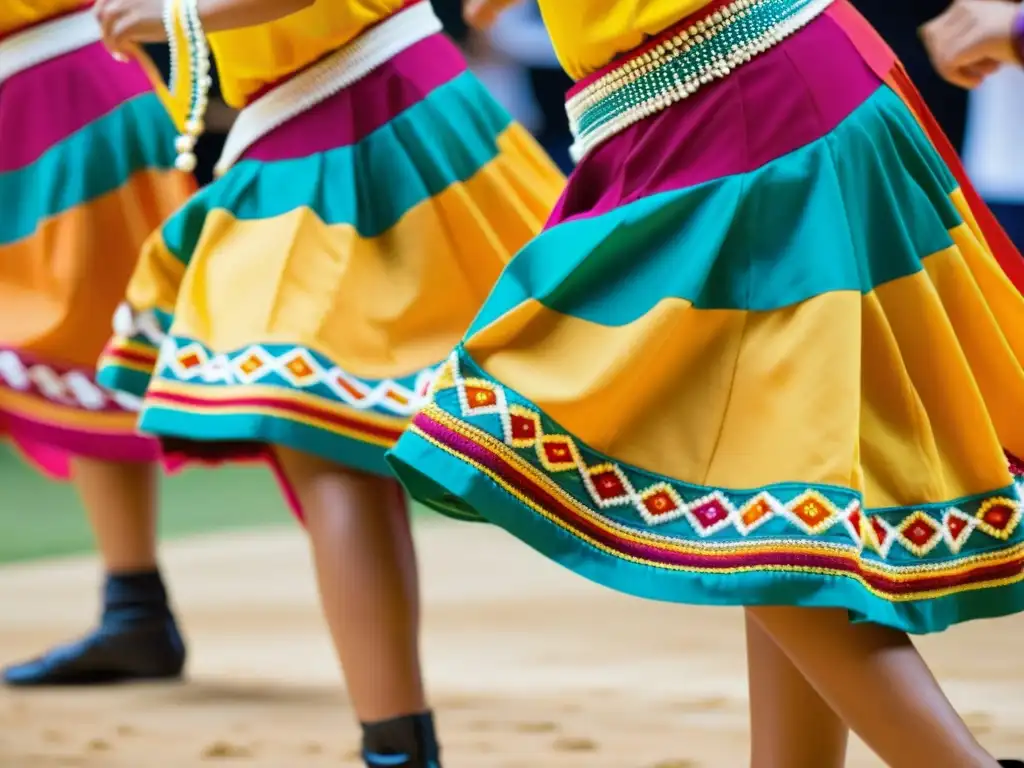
(482, 13)
(972, 39)
(125, 23)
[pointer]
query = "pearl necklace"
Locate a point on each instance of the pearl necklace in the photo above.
(678, 66)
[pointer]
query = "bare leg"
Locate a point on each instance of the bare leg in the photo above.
(120, 499)
(791, 725)
(365, 566)
(875, 679)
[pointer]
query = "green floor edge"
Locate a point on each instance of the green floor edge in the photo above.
(42, 518)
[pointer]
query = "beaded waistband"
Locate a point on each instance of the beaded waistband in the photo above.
(42, 42)
(373, 48)
(679, 63)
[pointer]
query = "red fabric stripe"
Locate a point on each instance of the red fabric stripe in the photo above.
(1002, 247)
(390, 434)
(881, 58)
(465, 447)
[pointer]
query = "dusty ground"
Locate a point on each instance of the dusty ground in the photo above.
(530, 666)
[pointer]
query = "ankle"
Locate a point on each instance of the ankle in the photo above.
(410, 739)
(135, 595)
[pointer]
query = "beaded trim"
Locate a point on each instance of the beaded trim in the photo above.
(172, 45)
(678, 66)
(184, 14)
(333, 74)
(46, 41)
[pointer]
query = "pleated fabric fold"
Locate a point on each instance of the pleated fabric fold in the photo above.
(86, 174)
(307, 297)
(768, 350)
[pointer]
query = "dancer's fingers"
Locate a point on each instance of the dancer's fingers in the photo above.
(482, 13)
(108, 15)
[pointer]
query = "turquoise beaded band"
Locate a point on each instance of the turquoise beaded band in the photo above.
(678, 66)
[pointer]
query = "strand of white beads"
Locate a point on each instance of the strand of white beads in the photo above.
(678, 67)
(172, 44)
(199, 56)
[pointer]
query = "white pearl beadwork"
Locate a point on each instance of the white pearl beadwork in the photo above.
(186, 162)
(172, 44)
(677, 67)
(199, 57)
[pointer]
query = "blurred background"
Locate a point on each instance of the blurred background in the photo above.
(516, 61)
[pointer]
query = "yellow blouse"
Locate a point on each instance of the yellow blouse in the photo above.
(249, 59)
(16, 14)
(587, 34)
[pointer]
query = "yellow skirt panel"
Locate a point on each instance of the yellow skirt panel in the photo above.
(844, 389)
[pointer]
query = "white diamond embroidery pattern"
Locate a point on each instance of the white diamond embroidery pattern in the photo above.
(190, 361)
(608, 485)
(74, 388)
(128, 322)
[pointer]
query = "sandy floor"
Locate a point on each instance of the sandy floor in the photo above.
(530, 667)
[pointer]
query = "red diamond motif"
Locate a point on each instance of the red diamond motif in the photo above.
(478, 397)
(756, 511)
(660, 503)
(558, 452)
(710, 513)
(881, 532)
(920, 531)
(191, 360)
(856, 518)
(608, 485)
(956, 527)
(998, 516)
(812, 512)
(523, 428)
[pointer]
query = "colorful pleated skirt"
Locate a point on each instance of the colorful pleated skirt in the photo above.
(306, 298)
(86, 174)
(769, 350)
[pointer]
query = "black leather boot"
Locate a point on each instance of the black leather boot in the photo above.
(137, 639)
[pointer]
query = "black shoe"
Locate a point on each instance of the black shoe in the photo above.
(402, 742)
(151, 649)
(1011, 763)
